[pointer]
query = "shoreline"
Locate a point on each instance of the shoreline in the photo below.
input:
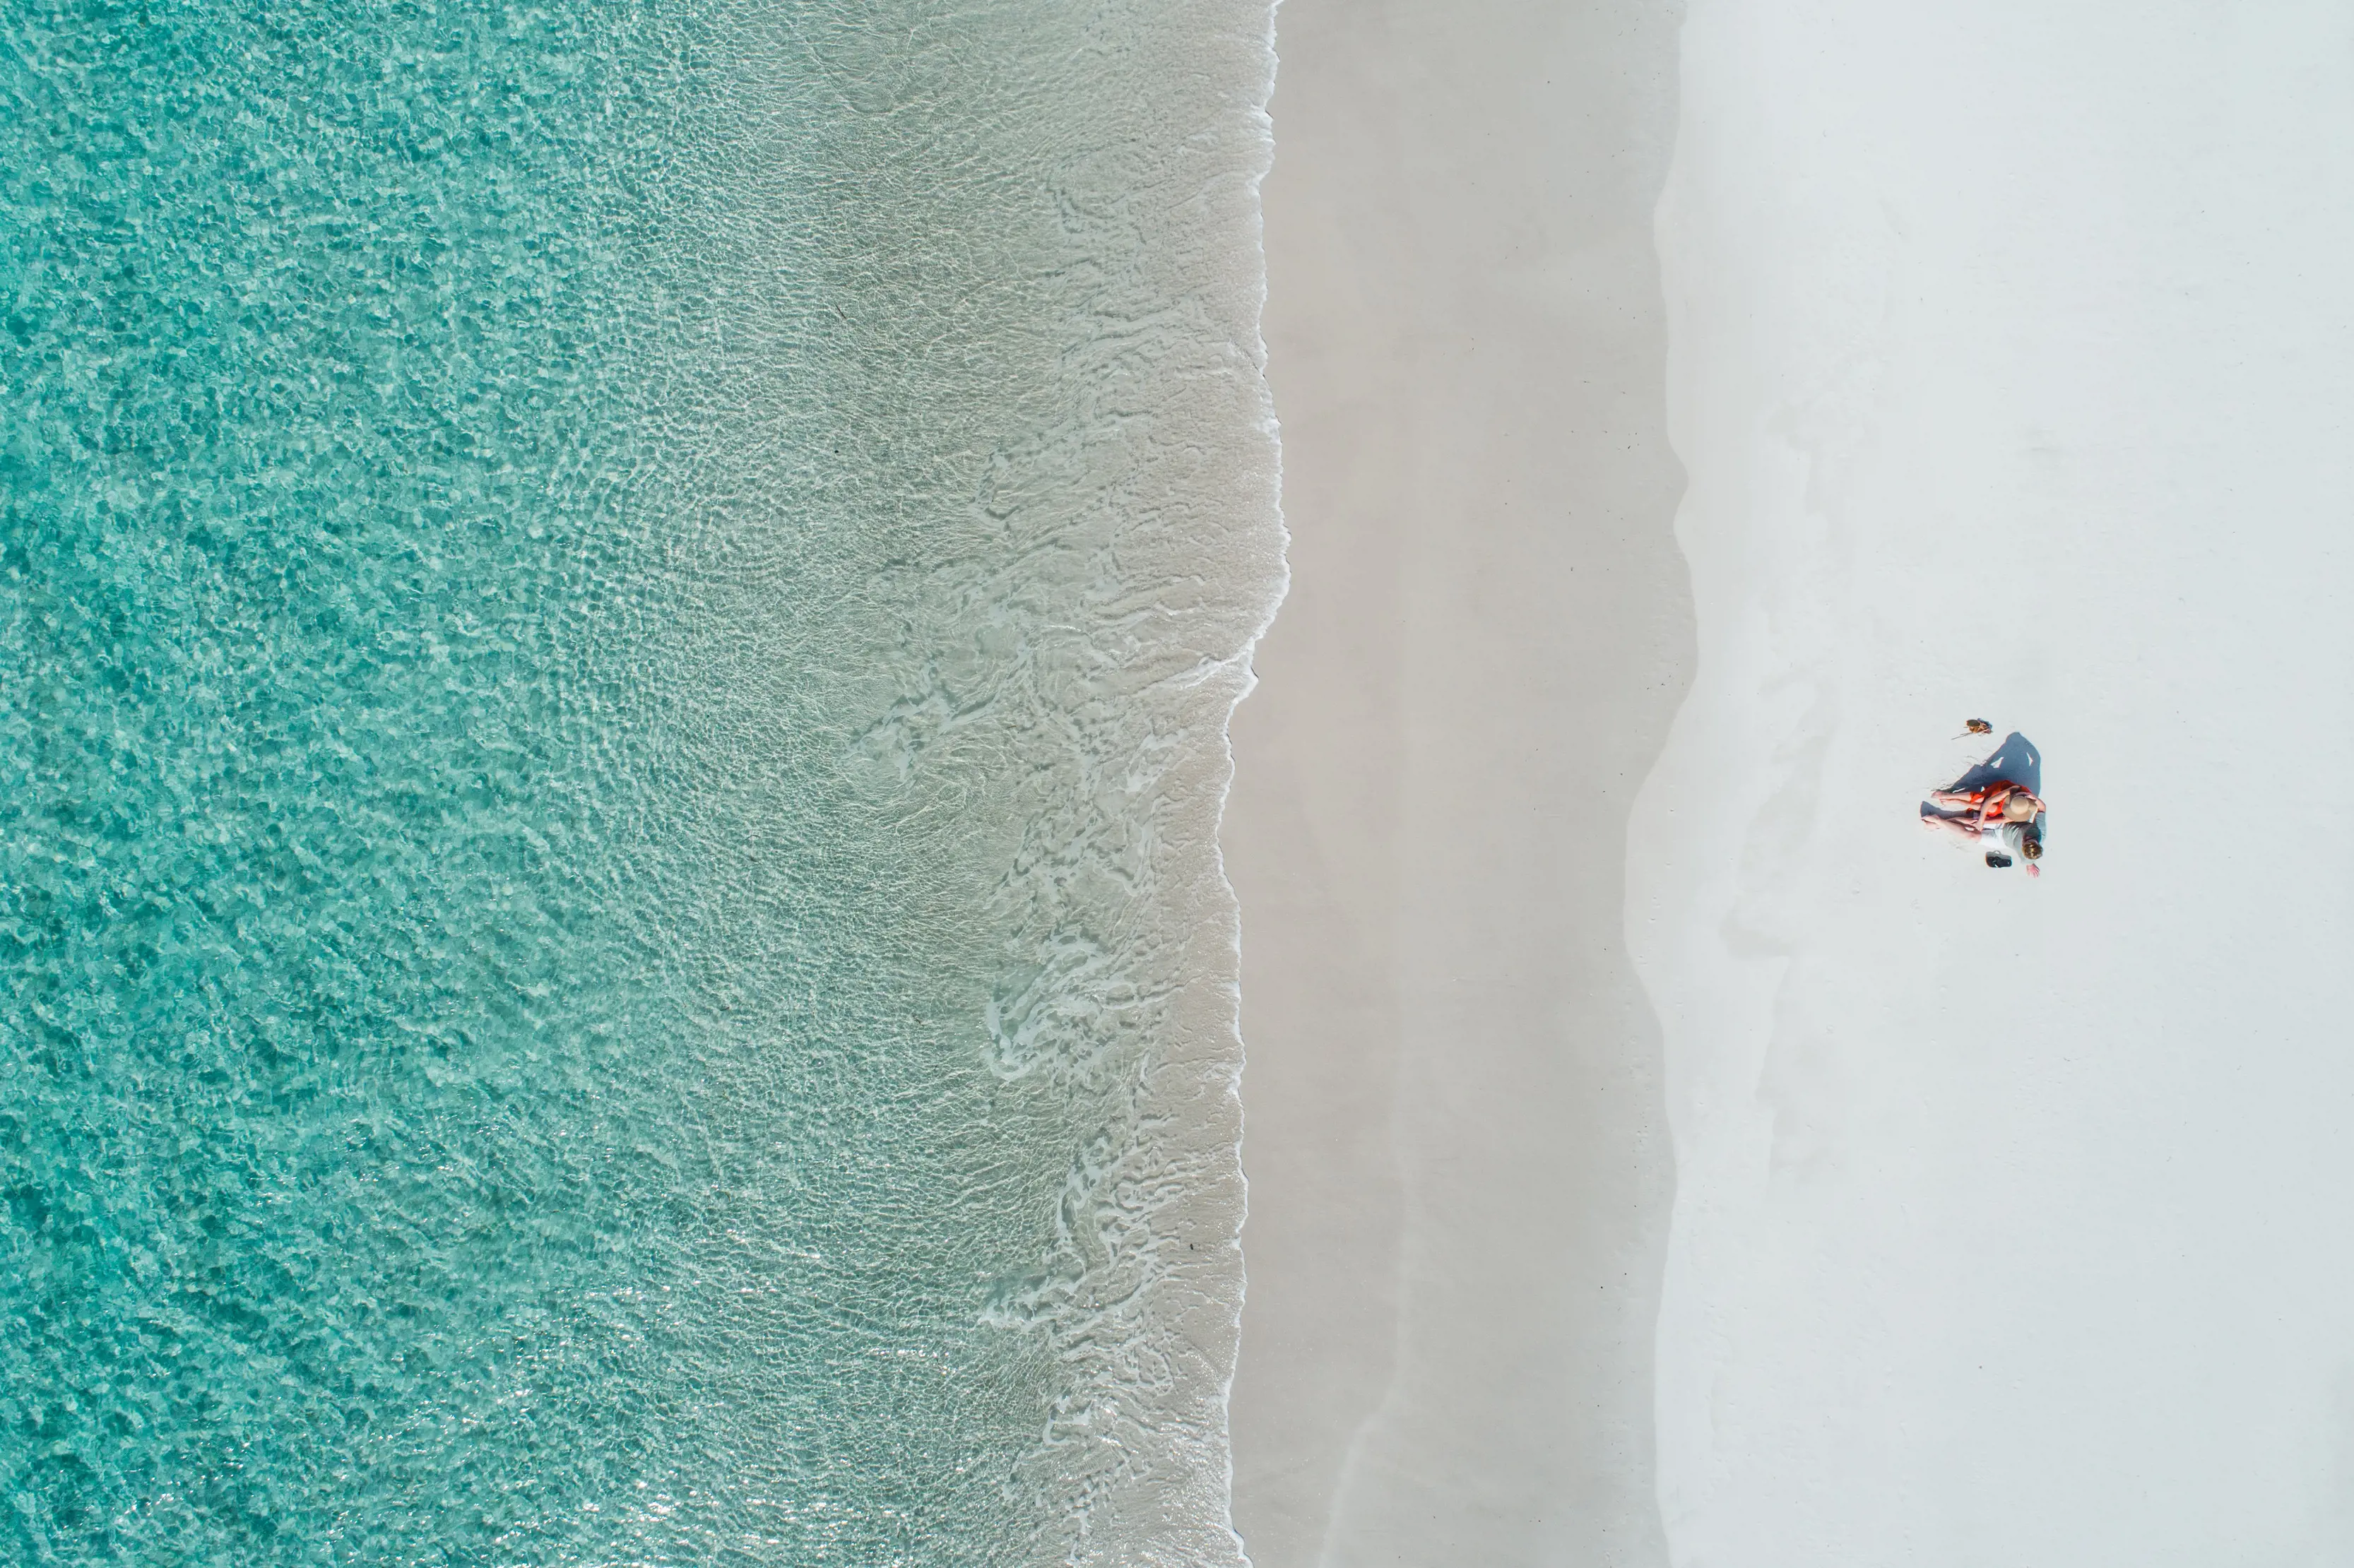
(1457, 1176)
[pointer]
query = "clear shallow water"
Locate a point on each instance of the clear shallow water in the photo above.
(615, 626)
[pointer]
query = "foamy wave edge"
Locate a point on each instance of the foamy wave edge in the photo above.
(1190, 1522)
(1273, 427)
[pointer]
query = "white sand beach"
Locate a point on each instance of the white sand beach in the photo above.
(2013, 367)
(1458, 1166)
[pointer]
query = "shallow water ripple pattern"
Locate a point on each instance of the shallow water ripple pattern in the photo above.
(615, 628)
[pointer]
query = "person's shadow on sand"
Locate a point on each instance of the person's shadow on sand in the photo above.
(2015, 761)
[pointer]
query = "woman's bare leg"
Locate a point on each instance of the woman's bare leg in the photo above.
(1960, 827)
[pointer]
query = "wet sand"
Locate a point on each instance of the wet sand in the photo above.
(1459, 1178)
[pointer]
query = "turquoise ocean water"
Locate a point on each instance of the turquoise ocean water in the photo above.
(616, 619)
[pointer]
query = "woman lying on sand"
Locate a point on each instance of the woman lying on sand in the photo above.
(1986, 803)
(2000, 801)
(2004, 810)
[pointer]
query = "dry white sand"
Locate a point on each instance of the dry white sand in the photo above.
(1458, 1176)
(2013, 365)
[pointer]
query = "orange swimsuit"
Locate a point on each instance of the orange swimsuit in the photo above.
(1990, 803)
(1987, 804)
